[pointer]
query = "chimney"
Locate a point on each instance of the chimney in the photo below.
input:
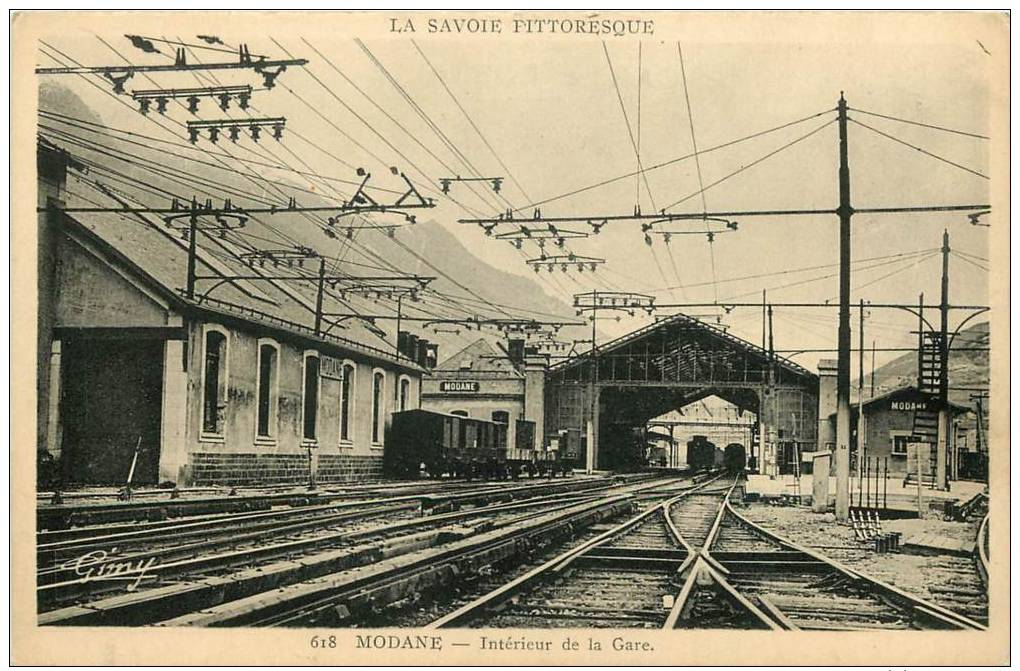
(431, 355)
(421, 352)
(402, 342)
(515, 350)
(411, 350)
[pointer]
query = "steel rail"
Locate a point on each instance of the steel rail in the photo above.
(982, 552)
(553, 566)
(888, 592)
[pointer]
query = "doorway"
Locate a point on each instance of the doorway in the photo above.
(111, 406)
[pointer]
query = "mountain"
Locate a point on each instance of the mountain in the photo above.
(967, 368)
(466, 285)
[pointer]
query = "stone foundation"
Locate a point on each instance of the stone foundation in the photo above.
(252, 468)
(349, 467)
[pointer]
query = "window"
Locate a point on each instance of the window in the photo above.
(899, 445)
(459, 413)
(378, 382)
(404, 394)
(501, 418)
(214, 382)
(346, 401)
(310, 406)
(267, 389)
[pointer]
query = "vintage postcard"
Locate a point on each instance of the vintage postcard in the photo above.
(510, 338)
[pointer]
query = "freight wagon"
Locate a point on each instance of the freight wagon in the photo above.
(437, 444)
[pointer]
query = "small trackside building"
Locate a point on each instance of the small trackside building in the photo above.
(505, 386)
(895, 430)
(236, 387)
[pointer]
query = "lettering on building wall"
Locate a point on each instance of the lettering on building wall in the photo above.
(458, 386)
(908, 405)
(331, 367)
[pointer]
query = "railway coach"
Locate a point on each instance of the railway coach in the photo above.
(465, 447)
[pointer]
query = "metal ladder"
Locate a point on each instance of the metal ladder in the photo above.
(929, 377)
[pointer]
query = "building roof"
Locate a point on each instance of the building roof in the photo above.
(906, 390)
(683, 341)
(478, 358)
(144, 246)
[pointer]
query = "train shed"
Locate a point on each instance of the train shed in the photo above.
(607, 394)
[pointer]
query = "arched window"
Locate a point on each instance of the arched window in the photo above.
(459, 413)
(346, 400)
(267, 389)
(378, 388)
(310, 404)
(403, 393)
(501, 416)
(214, 381)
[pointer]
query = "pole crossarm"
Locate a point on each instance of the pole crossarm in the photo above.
(183, 67)
(598, 220)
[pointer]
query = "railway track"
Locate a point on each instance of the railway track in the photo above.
(237, 553)
(624, 577)
(694, 562)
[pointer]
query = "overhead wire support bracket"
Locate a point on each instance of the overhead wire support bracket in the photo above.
(262, 65)
(234, 126)
(446, 182)
(662, 217)
(565, 261)
(538, 235)
(224, 94)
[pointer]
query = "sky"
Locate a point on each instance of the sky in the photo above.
(549, 112)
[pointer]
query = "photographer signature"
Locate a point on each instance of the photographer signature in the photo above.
(97, 566)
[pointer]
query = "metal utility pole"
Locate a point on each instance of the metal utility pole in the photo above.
(862, 443)
(771, 443)
(318, 295)
(192, 252)
(762, 435)
(396, 345)
(845, 212)
(592, 428)
(943, 445)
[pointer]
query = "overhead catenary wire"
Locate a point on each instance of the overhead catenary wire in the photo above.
(752, 164)
(921, 124)
(105, 91)
(673, 161)
(921, 150)
(697, 163)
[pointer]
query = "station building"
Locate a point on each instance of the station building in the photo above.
(898, 426)
(236, 387)
(490, 382)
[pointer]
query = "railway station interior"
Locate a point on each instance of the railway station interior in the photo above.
(331, 402)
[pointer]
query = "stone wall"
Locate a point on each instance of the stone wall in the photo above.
(251, 468)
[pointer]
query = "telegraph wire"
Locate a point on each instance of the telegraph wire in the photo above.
(697, 163)
(673, 161)
(919, 149)
(467, 116)
(752, 164)
(923, 125)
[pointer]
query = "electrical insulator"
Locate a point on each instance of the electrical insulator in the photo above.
(143, 105)
(192, 104)
(255, 132)
(278, 131)
(224, 101)
(235, 133)
(214, 134)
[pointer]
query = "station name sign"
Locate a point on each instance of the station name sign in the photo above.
(458, 386)
(330, 367)
(908, 405)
